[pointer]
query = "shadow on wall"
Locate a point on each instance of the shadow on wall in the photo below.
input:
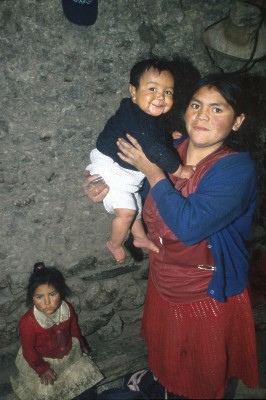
(257, 277)
(186, 75)
(251, 136)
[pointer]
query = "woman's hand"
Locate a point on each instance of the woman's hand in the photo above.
(95, 187)
(48, 377)
(134, 155)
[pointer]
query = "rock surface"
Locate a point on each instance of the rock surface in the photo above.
(59, 83)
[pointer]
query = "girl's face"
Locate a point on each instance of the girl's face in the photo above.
(46, 299)
(210, 119)
(155, 92)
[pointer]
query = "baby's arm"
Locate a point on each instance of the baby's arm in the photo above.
(184, 171)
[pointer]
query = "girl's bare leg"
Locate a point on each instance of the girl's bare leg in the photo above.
(120, 227)
(140, 238)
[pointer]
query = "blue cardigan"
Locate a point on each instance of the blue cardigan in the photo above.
(221, 211)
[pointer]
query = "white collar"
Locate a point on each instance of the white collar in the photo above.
(61, 314)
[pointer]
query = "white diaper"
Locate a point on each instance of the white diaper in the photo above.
(119, 199)
(124, 183)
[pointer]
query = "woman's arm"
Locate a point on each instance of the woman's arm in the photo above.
(226, 192)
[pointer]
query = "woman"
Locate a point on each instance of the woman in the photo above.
(198, 322)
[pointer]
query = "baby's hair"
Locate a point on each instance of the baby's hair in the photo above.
(46, 275)
(159, 64)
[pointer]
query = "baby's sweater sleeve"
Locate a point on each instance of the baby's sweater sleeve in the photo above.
(157, 150)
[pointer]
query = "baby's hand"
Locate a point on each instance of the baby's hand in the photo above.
(176, 135)
(187, 171)
(48, 377)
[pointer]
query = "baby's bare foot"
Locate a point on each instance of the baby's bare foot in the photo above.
(145, 243)
(118, 252)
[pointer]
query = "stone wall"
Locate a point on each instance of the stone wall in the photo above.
(59, 84)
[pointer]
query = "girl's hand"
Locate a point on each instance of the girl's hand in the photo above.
(134, 155)
(95, 187)
(48, 377)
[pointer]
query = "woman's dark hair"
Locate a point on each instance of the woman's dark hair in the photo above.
(228, 85)
(137, 71)
(42, 275)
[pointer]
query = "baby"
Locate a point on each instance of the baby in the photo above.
(151, 89)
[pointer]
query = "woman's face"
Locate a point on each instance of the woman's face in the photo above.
(210, 119)
(46, 299)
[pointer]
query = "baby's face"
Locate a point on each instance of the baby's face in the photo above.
(154, 94)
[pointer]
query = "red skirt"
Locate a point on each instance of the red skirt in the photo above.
(194, 348)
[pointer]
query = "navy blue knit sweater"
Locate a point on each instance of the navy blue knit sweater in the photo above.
(148, 131)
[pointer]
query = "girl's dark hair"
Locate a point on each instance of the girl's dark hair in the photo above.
(160, 64)
(228, 85)
(42, 275)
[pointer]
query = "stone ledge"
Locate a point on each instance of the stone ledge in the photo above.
(121, 356)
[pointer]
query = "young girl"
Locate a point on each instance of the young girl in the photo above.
(50, 362)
